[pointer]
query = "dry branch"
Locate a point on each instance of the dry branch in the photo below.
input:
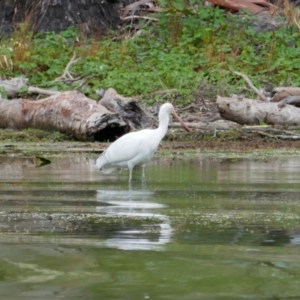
(288, 137)
(251, 85)
(36, 90)
(211, 126)
(66, 76)
(271, 132)
(279, 136)
(139, 17)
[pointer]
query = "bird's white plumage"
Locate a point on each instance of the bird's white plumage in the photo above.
(135, 148)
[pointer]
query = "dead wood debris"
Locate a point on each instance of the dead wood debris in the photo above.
(67, 76)
(36, 90)
(143, 8)
(139, 9)
(70, 112)
(246, 78)
(276, 106)
(272, 132)
(203, 114)
(281, 93)
(13, 86)
(255, 6)
(130, 109)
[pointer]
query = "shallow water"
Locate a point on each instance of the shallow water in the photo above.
(204, 228)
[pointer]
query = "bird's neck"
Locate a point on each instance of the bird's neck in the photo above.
(163, 126)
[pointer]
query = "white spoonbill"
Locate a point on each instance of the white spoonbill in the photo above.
(137, 148)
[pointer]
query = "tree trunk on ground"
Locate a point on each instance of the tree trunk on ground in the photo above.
(247, 111)
(130, 109)
(70, 112)
(91, 16)
(284, 92)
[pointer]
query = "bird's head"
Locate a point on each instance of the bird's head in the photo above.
(169, 108)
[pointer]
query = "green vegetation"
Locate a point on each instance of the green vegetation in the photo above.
(32, 135)
(186, 48)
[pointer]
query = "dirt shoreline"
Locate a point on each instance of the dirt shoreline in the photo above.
(174, 147)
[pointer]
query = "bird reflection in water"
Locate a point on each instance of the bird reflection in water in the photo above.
(135, 204)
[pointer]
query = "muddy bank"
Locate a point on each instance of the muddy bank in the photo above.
(74, 148)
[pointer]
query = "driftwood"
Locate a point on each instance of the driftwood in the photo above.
(292, 100)
(284, 95)
(69, 112)
(36, 90)
(13, 86)
(247, 111)
(281, 93)
(129, 108)
(264, 110)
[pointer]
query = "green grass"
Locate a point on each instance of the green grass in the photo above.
(32, 135)
(186, 48)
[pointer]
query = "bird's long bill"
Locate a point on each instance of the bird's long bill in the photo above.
(181, 122)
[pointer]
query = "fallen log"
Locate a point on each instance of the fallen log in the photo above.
(130, 109)
(281, 93)
(248, 112)
(13, 86)
(70, 112)
(292, 100)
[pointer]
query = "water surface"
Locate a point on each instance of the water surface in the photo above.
(201, 228)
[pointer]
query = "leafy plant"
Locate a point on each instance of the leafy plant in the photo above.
(189, 44)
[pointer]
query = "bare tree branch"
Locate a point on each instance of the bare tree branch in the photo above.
(246, 78)
(66, 76)
(139, 17)
(36, 90)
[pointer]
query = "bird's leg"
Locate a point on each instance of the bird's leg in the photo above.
(129, 186)
(144, 186)
(130, 174)
(143, 173)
